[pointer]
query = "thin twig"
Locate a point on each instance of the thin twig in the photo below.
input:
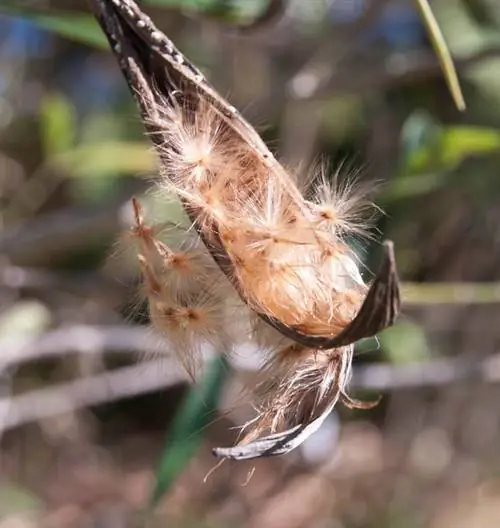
(436, 373)
(396, 69)
(62, 231)
(156, 375)
(454, 293)
(83, 339)
(26, 278)
(66, 397)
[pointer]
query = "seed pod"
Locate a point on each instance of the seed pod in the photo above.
(284, 257)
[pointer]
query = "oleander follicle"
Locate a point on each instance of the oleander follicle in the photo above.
(262, 257)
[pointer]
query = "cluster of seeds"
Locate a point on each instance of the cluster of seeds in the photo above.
(286, 257)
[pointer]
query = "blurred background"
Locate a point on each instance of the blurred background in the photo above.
(95, 418)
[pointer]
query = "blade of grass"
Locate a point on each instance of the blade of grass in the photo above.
(186, 432)
(442, 52)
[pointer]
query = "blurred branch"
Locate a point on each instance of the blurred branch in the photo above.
(432, 373)
(66, 397)
(322, 67)
(413, 293)
(156, 375)
(18, 278)
(60, 232)
(450, 293)
(388, 72)
(274, 10)
(79, 339)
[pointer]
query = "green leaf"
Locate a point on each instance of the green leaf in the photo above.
(231, 11)
(430, 153)
(80, 27)
(201, 5)
(413, 185)
(420, 131)
(485, 12)
(186, 431)
(58, 124)
(15, 500)
(453, 293)
(83, 28)
(452, 146)
(405, 343)
(111, 158)
(459, 142)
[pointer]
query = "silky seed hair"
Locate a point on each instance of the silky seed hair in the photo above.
(185, 290)
(272, 264)
(289, 254)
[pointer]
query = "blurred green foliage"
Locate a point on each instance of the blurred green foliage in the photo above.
(185, 434)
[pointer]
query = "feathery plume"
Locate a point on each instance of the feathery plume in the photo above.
(282, 258)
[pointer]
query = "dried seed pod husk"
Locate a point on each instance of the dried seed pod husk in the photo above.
(284, 256)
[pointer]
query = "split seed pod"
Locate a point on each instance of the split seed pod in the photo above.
(282, 259)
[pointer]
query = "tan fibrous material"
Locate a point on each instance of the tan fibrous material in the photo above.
(288, 254)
